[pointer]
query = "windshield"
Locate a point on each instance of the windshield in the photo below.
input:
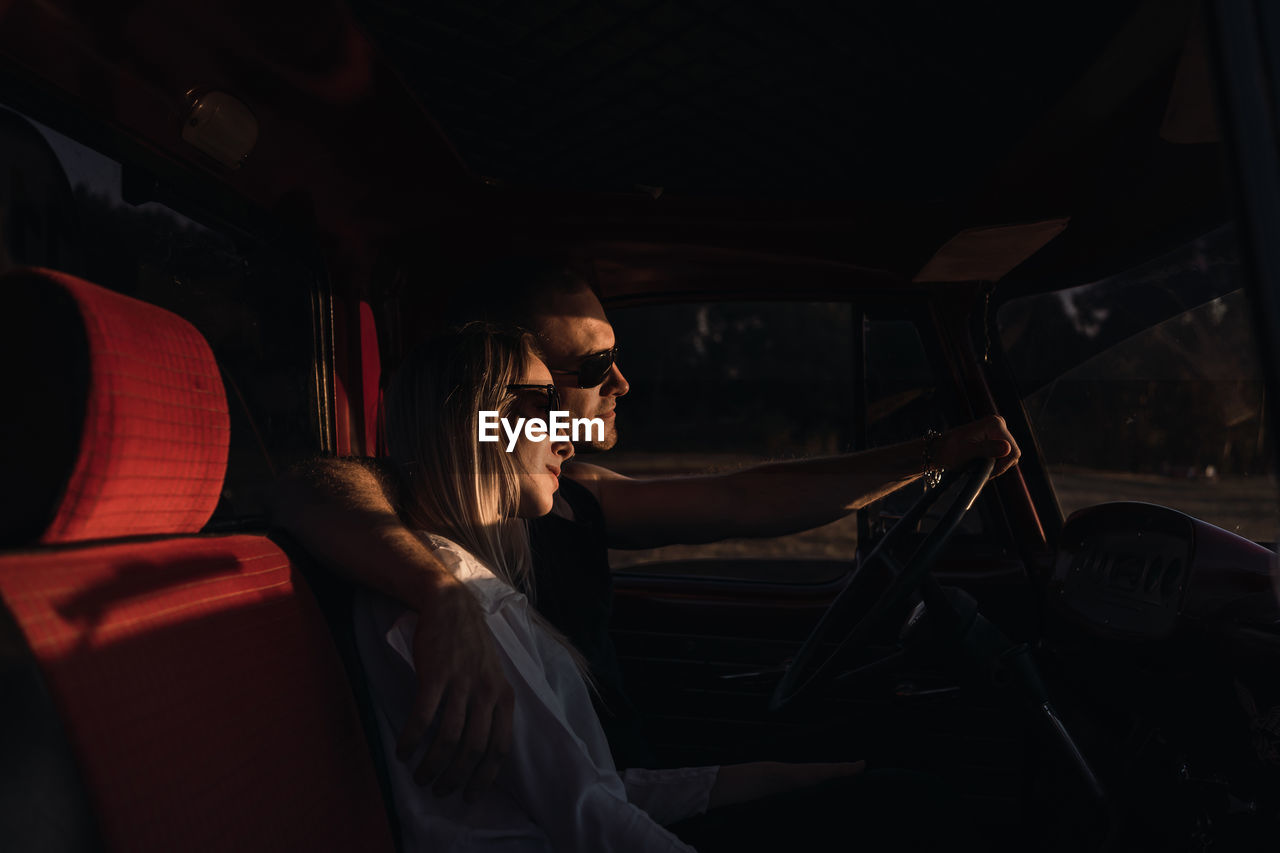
(1146, 386)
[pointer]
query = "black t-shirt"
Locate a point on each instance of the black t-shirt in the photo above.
(573, 589)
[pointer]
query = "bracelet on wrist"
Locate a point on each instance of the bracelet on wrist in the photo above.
(932, 473)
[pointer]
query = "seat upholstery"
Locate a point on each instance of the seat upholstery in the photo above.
(124, 426)
(195, 677)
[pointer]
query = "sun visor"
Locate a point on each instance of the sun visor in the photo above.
(990, 252)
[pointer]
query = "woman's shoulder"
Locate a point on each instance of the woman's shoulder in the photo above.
(490, 590)
(456, 558)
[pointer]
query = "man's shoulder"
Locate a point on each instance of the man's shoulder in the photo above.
(584, 481)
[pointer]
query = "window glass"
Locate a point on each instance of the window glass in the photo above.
(250, 299)
(720, 386)
(1147, 386)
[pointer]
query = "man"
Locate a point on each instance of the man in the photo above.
(343, 512)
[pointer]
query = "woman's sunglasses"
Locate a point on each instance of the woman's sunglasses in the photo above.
(593, 369)
(553, 396)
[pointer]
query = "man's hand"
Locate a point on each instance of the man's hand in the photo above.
(987, 438)
(462, 688)
(341, 511)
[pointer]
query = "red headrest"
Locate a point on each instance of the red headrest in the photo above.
(122, 424)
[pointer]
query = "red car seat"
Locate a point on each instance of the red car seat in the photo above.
(202, 700)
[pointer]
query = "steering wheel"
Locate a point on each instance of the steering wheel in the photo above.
(851, 620)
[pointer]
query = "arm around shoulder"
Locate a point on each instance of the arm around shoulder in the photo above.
(341, 511)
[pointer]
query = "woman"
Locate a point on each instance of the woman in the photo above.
(558, 789)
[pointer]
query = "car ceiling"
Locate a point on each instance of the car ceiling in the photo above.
(856, 136)
(908, 101)
(694, 146)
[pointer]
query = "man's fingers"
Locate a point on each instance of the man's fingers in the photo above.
(460, 702)
(500, 739)
(1008, 462)
(452, 722)
(995, 448)
(471, 748)
(987, 438)
(425, 704)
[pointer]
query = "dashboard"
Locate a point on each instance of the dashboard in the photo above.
(1136, 569)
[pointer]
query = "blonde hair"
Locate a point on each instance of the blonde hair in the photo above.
(455, 485)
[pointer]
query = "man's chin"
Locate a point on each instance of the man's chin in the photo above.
(610, 439)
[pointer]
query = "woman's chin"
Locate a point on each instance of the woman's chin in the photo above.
(536, 506)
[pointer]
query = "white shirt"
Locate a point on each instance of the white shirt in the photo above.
(558, 789)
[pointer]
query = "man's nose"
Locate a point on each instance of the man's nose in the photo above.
(615, 384)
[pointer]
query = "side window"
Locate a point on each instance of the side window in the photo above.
(721, 386)
(250, 299)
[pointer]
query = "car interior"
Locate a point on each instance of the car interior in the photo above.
(815, 229)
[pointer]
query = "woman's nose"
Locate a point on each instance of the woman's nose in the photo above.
(563, 449)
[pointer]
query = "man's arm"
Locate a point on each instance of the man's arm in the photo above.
(341, 512)
(779, 497)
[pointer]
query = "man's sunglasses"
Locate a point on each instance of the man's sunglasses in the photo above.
(553, 396)
(593, 369)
